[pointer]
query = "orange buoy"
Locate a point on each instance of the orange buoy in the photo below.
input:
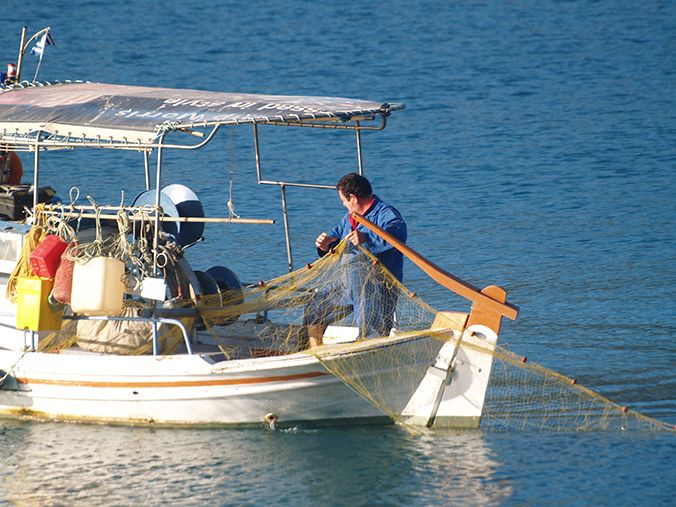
(573, 381)
(11, 169)
(524, 359)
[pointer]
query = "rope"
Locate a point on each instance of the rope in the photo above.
(31, 240)
(11, 369)
(58, 226)
(231, 167)
(114, 247)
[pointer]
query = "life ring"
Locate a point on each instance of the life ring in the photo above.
(11, 169)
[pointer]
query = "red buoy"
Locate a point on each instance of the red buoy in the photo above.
(11, 169)
(308, 265)
(573, 381)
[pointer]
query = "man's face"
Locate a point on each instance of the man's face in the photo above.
(349, 202)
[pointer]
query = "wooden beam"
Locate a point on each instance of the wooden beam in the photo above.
(74, 215)
(443, 278)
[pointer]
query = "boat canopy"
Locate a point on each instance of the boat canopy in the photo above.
(69, 112)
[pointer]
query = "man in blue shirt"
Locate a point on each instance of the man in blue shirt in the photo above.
(375, 315)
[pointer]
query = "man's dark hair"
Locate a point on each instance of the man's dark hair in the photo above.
(356, 184)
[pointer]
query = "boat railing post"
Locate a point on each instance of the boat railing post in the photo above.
(154, 320)
(28, 340)
(146, 165)
(156, 234)
(360, 161)
(155, 340)
(282, 188)
(257, 153)
(158, 179)
(36, 169)
(287, 234)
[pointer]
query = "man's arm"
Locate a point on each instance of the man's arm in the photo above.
(325, 242)
(377, 245)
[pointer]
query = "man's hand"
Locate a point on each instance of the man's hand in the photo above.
(356, 237)
(323, 241)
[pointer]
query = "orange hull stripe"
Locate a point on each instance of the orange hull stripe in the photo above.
(177, 383)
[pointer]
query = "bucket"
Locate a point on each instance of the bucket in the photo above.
(98, 286)
(32, 305)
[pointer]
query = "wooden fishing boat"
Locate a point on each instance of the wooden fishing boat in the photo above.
(229, 372)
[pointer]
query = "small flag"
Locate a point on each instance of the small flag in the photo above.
(39, 47)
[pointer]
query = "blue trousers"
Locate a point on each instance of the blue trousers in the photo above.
(358, 289)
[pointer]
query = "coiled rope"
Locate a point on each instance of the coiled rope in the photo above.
(31, 240)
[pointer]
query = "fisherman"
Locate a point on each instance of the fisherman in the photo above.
(374, 316)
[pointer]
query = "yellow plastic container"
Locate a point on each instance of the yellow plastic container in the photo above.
(32, 305)
(98, 286)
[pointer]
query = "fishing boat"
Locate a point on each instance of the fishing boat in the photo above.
(205, 349)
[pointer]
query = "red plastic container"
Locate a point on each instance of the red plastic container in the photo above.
(45, 259)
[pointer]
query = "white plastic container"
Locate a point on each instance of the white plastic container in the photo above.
(98, 286)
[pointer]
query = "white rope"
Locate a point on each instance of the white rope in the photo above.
(231, 164)
(8, 372)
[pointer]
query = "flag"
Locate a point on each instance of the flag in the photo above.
(39, 47)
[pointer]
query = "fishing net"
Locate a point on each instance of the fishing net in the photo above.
(380, 340)
(385, 365)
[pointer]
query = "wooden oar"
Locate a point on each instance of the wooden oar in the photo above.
(443, 278)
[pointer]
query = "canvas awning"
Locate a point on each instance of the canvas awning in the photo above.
(134, 114)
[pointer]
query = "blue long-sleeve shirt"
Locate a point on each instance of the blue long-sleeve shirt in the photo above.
(388, 218)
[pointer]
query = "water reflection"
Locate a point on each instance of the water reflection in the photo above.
(46, 463)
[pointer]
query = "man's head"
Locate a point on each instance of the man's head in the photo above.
(355, 192)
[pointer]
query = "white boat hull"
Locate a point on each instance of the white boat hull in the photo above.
(193, 390)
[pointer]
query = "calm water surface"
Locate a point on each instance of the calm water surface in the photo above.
(537, 152)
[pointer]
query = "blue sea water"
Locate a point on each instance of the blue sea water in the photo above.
(537, 151)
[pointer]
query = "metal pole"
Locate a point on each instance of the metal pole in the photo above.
(37, 69)
(19, 61)
(359, 158)
(259, 177)
(146, 165)
(36, 170)
(287, 236)
(158, 176)
(156, 235)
